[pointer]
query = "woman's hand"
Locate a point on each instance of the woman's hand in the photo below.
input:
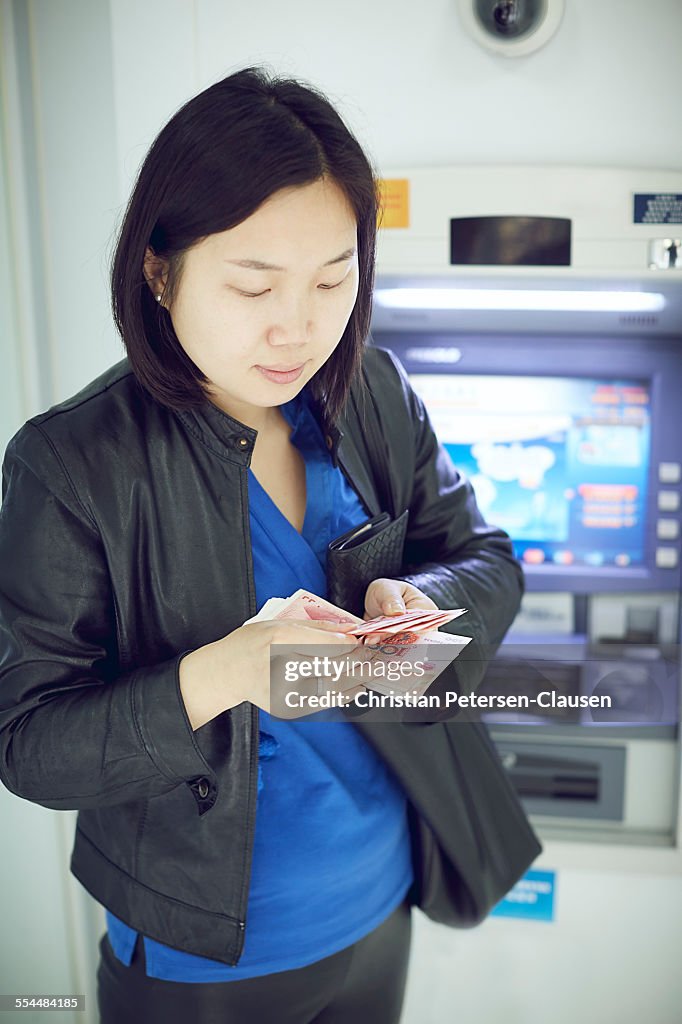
(392, 597)
(236, 668)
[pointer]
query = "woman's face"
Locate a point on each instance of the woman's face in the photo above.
(261, 307)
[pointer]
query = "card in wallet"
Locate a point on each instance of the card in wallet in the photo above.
(369, 551)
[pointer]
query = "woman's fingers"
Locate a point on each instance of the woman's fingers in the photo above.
(392, 597)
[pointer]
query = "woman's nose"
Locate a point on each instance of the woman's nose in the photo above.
(292, 323)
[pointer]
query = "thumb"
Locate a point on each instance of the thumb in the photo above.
(384, 597)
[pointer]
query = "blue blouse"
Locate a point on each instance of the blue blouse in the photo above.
(331, 856)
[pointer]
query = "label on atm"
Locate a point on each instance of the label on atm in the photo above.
(532, 898)
(661, 208)
(395, 202)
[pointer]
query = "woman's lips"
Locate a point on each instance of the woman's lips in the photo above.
(281, 376)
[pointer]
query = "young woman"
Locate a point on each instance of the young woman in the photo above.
(252, 868)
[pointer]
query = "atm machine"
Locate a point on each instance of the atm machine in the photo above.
(538, 313)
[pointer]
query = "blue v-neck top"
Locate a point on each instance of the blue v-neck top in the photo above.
(331, 856)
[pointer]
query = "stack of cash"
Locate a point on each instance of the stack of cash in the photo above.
(395, 653)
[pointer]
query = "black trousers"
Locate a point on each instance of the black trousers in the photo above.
(362, 984)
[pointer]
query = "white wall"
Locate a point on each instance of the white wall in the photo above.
(94, 81)
(12, 400)
(414, 86)
(57, 204)
(32, 886)
(611, 957)
(57, 78)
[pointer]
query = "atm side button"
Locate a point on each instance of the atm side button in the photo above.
(669, 472)
(666, 558)
(667, 529)
(668, 501)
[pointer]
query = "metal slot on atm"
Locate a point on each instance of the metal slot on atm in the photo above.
(525, 676)
(581, 781)
(553, 778)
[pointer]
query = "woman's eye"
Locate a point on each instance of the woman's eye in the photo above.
(256, 295)
(251, 295)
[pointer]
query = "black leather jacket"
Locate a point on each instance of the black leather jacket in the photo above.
(124, 543)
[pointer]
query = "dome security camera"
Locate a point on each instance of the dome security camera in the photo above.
(512, 28)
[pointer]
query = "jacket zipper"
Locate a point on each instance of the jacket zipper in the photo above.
(250, 824)
(369, 501)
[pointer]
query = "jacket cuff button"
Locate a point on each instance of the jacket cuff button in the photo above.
(203, 788)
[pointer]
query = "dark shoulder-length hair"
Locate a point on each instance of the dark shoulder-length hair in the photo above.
(212, 165)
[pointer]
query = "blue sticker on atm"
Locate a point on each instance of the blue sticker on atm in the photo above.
(658, 208)
(532, 898)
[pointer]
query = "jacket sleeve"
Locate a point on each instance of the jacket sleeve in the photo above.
(74, 732)
(455, 557)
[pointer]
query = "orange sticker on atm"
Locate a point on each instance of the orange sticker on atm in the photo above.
(395, 196)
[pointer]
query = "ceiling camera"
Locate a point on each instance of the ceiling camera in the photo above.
(511, 27)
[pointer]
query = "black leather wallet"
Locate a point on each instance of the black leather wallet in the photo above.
(359, 534)
(374, 548)
(363, 554)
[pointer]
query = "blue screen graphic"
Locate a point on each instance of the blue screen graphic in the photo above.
(561, 464)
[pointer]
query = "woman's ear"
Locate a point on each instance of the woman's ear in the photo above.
(155, 272)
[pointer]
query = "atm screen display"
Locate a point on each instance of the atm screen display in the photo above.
(560, 463)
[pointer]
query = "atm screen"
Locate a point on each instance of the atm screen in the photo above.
(560, 463)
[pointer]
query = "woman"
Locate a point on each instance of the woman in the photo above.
(251, 868)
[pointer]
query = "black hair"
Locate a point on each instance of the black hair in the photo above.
(224, 153)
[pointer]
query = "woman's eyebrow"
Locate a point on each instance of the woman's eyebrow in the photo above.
(260, 265)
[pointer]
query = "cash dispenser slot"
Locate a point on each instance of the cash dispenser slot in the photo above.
(584, 781)
(554, 778)
(528, 677)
